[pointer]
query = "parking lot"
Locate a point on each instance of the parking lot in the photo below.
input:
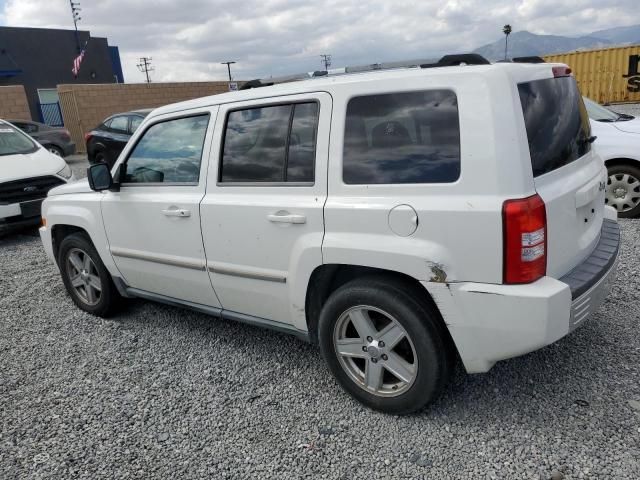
(160, 392)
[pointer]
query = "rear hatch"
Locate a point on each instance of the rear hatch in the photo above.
(568, 175)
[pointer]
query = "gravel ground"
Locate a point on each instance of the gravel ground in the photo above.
(628, 108)
(160, 392)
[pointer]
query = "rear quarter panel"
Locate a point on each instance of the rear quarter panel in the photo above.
(459, 234)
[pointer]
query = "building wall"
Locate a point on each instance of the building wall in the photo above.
(45, 58)
(607, 75)
(86, 106)
(13, 103)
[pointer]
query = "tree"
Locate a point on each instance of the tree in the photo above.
(506, 30)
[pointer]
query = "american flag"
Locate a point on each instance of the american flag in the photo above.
(77, 61)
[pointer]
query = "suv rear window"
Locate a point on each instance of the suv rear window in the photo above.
(409, 137)
(556, 121)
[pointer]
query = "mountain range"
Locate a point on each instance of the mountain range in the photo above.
(523, 43)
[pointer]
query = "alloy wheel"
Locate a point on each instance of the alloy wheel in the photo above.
(375, 351)
(83, 276)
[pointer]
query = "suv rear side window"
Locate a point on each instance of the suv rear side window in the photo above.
(557, 123)
(410, 137)
(270, 144)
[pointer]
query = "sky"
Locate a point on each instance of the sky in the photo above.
(188, 39)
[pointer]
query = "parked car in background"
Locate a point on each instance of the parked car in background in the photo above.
(106, 141)
(27, 172)
(401, 219)
(618, 143)
(55, 139)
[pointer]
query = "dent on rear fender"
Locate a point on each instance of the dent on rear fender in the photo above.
(439, 275)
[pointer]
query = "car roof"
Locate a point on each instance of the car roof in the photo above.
(518, 71)
(141, 111)
(29, 121)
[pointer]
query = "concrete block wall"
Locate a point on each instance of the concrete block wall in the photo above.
(13, 103)
(85, 106)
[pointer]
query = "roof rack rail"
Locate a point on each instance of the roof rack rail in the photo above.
(461, 59)
(446, 61)
(530, 59)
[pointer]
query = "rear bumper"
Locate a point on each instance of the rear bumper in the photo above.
(491, 322)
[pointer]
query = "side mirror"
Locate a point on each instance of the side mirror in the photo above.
(99, 177)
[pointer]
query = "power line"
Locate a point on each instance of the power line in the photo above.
(145, 67)
(326, 60)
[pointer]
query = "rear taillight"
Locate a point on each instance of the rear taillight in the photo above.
(87, 136)
(524, 225)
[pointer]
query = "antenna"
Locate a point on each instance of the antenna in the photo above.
(145, 67)
(326, 60)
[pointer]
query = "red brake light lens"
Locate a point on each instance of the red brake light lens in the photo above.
(524, 224)
(87, 136)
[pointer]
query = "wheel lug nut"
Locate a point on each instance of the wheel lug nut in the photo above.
(369, 339)
(384, 357)
(374, 360)
(364, 348)
(381, 344)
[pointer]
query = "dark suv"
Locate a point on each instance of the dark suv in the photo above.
(106, 141)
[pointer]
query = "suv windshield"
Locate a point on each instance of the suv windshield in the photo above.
(599, 113)
(13, 141)
(557, 123)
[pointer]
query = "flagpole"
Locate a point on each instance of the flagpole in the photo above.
(75, 11)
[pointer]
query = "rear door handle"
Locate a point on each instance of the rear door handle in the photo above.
(176, 212)
(287, 218)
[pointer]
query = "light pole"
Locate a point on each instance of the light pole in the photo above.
(228, 64)
(507, 31)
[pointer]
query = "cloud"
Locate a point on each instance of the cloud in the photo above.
(188, 40)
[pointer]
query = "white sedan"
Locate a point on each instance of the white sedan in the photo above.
(618, 143)
(27, 172)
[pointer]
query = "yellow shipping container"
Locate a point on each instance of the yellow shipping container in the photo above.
(608, 75)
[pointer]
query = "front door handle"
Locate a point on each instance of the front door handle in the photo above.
(285, 217)
(176, 212)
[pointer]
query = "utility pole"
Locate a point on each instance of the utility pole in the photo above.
(326, 61)
(145, 67)
(228, 64)
(507, 31)
(75, 12)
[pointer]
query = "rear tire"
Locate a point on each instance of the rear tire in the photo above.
(85, 277)
(101, 157)
(623, 189)
(397, 359)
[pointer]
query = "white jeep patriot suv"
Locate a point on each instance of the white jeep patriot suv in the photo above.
(400, 218)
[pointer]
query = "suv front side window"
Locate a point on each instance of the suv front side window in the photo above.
(408, 137)
(168, 152)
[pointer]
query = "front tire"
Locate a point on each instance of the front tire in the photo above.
(384, 346)
(85, 277)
